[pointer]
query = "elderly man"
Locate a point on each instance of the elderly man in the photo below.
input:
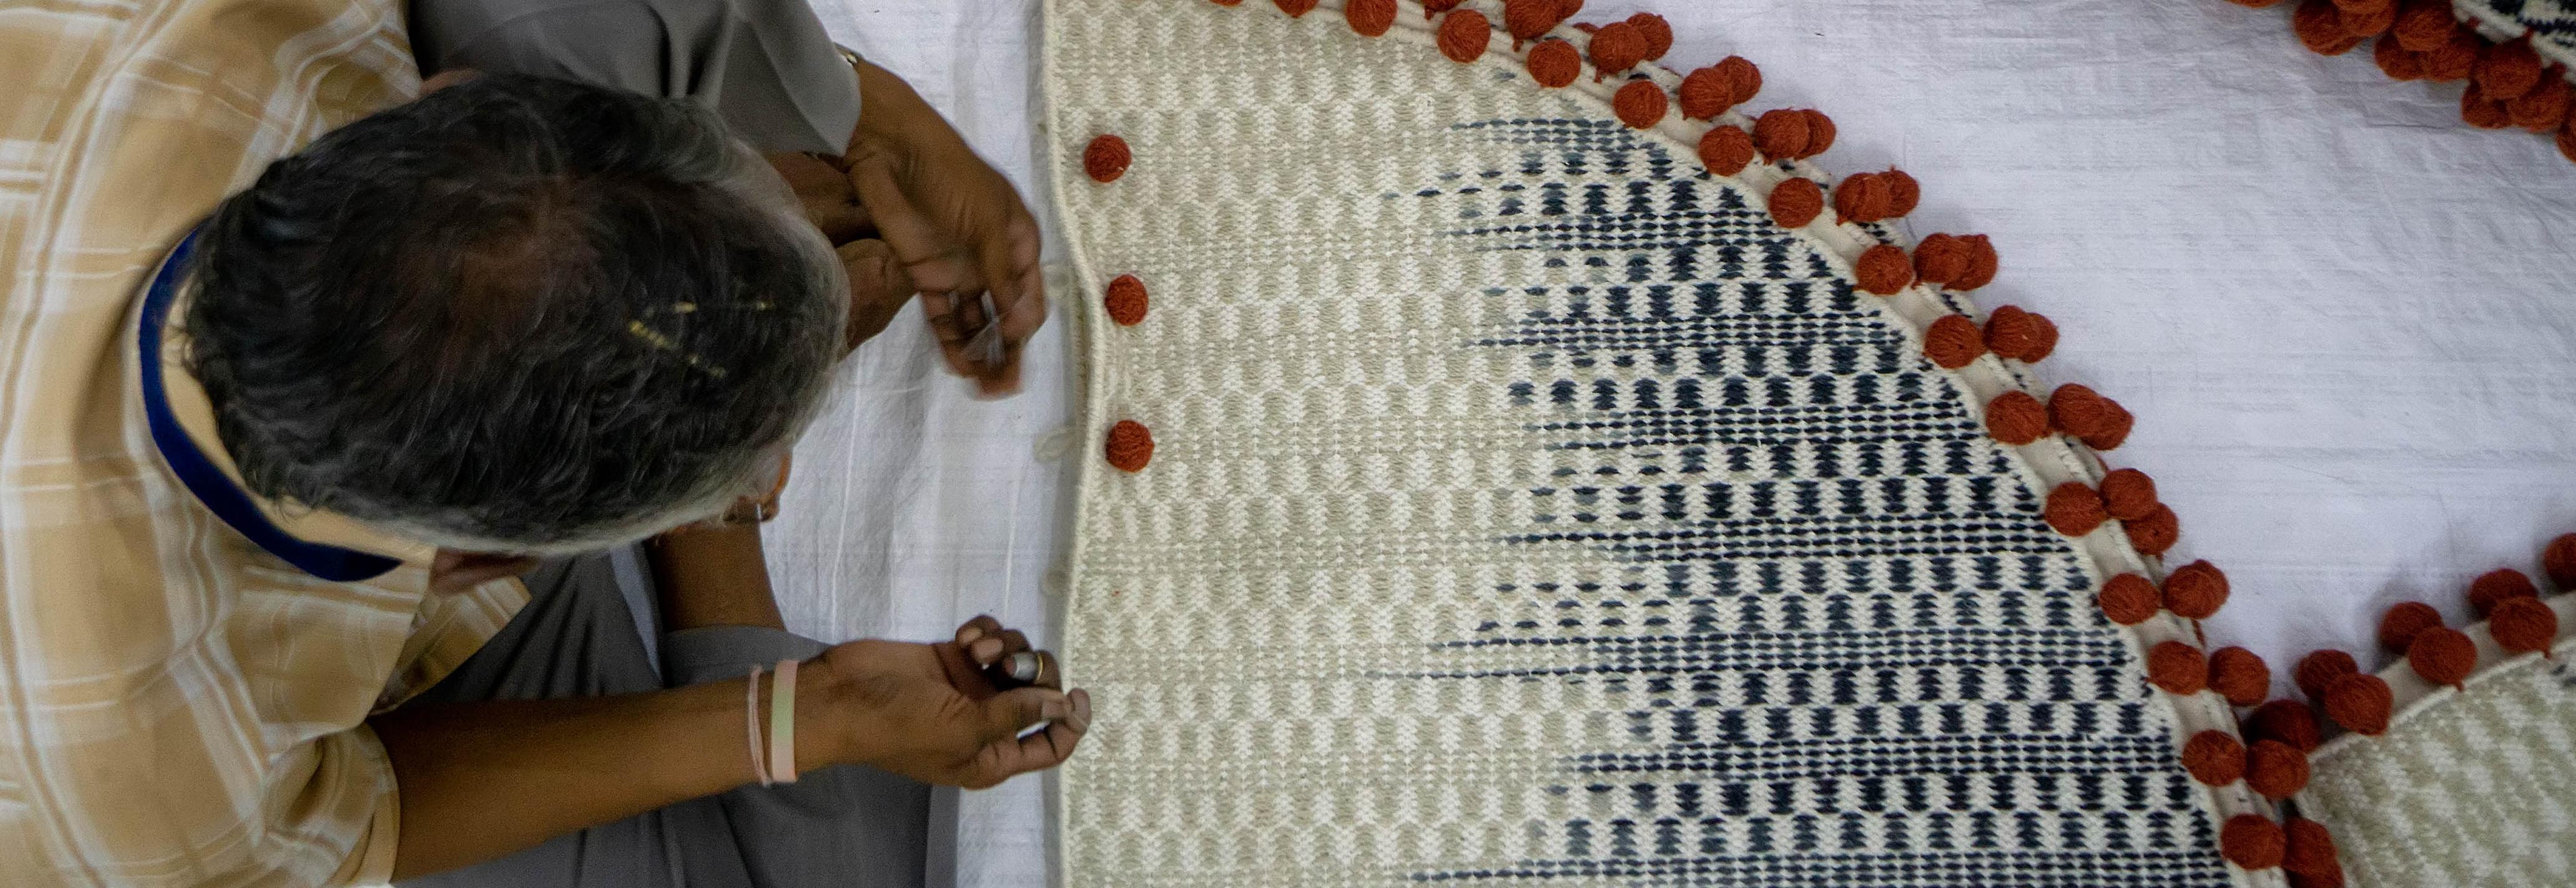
(273, 463)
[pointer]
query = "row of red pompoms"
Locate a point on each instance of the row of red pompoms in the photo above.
(2509, 84)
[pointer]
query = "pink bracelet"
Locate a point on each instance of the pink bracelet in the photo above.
(782, 723)
(751, 720)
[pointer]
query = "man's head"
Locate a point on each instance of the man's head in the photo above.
(519, 314)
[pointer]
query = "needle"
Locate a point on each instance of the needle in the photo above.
(986, 347)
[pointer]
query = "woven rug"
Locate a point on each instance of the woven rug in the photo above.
(2516, 57)
(1487, 488)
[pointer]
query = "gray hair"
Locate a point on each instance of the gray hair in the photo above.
(519, 314)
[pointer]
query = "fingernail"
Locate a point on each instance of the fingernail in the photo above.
(970, 635)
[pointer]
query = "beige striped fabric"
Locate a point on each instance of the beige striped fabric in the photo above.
(176, 706)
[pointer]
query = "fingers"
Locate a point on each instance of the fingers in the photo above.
(878, 288)
(1008, 713)
(982, 625)
(1009, 756)
(826, 194)
(928, 256)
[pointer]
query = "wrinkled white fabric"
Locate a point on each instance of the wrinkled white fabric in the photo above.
(2346, 322)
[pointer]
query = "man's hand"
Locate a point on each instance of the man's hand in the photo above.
(956, 227)
(927, 712)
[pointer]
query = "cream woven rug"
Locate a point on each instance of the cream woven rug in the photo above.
(1523, 503)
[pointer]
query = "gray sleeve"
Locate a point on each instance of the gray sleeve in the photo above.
(765, 66)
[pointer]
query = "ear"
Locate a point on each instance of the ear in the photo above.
(453, 572)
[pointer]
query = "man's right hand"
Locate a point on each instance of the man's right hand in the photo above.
(926, 711)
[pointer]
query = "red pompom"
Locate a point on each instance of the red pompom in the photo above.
(1227, 2)
(1726, 150)
(2076, 408)
(1941, 258)
(2196, 590)
(2114, 432)
(1902, 192)
(1530, 19)
(2178, 668)
(2366, 20)
(2559, 559)
(2523, 625)
(2074, 509)
(2360, 702)
(2010, 332)
(2398, 62)
(1953, 342)
(1567, 8)
(1863, 197)
(2239, 675)
(2128, 599)
(1370, 18)
(2128, 494)
(1130, 446)
(2424, 24)
(2016, 418)
(1657, 31)
(1641, 104)
(1125, 300)
(1617, 47)
(2043, 340)
(1796, 201)
(2507, 70)
(2455, 58)
(2397, 628)
(1883, 269)
(1464, 35)
(2253, 841)
(1820, 132)
(2497, 585)
(2330, 879)
(2442, 655)
(2544, 108)
(2480, 111)
(2214, 758)
(2288, 721)
(2275, 770)
(1709, 91)
(2155, 533)
(2321, 29)
(2310, 850)
(2317, 671)
(1106, 159)
(1432, 8)
(1296, 8)
(2567, 140)
(1781, 133)
(1556, 64)
(1981, 264)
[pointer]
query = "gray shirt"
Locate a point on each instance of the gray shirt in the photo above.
(765, 66)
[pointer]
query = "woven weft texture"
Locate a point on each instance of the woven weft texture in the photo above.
(2551, 24)
(1526, 509)
(2474, 788)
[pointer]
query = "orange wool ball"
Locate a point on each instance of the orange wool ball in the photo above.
(2482, 112)
(1709, 91)
(2075, 407)
(1862, 197)
(1529, 19)
(2155, 533)
(1796, 201)
(1130, 446)
(2442, 655)
(1820, 132)
(1227, 2)
(1726, 150)
(2288, 721)
(2558, 560)
(2398, 627)
(1883, 269)
(2360, 702)
(1296, 8)
(2320, 28)
(1902, 192)
(1125, 300)
(2455, 58)
(2506, 70)
(2252, 841)
(2523, 625)
(2310, 850)
(1941, 258)
(1556, 64)
(2330, 879)
(2368, 19)
(1743, 75)
(2275, 769)
(1464, 35)
(2010, 332)
(1981, 264)
(2016, 418)
(2544, 108)
(1781, 133)
(2043, 340)
(2497, 585)
(1370, 18)
(1641, 104)
(2214, 758)
(1106, 159)
(2074, 509)
(2318, 670)
(1953, 342)
(2239, 675)
(2178, 668)
(2424, 24)
(2196, 590)
(2114, 432)
(2396, 61)
(2128, 494)
(1617, 47)
(1432, 8)
(2128, 599)
(1657, 31)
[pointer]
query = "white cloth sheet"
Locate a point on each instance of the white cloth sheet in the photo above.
(2346, 322)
